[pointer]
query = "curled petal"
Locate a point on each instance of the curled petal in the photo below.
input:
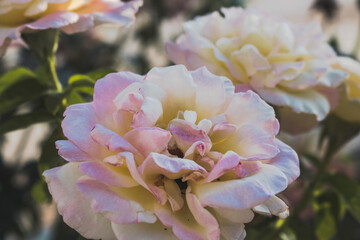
(105, 91)
(71, 152)
(173, 168)
(241, 111)
(228, 161)
(79, 121)
(242, 193)
(287, 161)
(116, 176)
(148, 140)
(186, 134)
(275, 206)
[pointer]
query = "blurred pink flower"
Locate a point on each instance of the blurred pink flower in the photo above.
(69, 15)
(172, 155)
(288, 65)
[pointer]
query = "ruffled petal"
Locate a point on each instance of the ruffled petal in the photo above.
(186, 134)
(79, 121)
(250, 143)
(308, 101)
(228, 161)
(220, 87)
(106, 90)
(74, 208)
(115, 176)
(241, 111)
(148, 140)
(71, 152)
(242, 193)
(173, 168)
(287, 161)
(119, 210)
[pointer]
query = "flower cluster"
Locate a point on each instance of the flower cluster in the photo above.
(288, 65)
(175, 154)
(69, 15)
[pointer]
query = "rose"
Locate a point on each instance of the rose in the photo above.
(286, 64)
(174, 154)
(349, 104)
(69, 15)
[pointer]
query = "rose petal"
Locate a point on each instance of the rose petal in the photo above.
(74, 208)
(119, 210)
(242, 193)
(79, 121)
(71, 152)
(109, 175)
(154, 231)
(241, 111)
(287, 161)
(173, 168)
(148, 140)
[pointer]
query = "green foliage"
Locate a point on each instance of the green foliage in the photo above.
(18, 86)
(325, 222)
(349, 190)
(336, 137)
(42, 43)
(24, 120)
(80, 84)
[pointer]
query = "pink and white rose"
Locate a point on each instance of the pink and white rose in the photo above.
(288, 65)
(171, 155)
(69, 15)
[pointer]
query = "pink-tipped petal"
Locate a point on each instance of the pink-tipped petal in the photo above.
(74, 208)
(148, 140)
(79, 121)
(287, 161)
(107, 174)
(119, 210)
(220, 87)
(242, 193)
(105, 91)
(173, 168)
(111, 140)
(228, 161)
(241, 111)
(186, 133)
(71, 152)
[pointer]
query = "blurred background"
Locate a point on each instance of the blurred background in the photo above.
(26, 210)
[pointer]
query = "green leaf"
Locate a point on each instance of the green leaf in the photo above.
(81, 80)
(100, 73)
(337, 207)
(73, 98)
(53, 101)
(325, 223)
(49, 157)
(348, 189)
(337, 138)
(40, 192)
(42, 43)
(287, 234)
(300, 228)
(18, 86)
(24, 120)
(81, 83)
